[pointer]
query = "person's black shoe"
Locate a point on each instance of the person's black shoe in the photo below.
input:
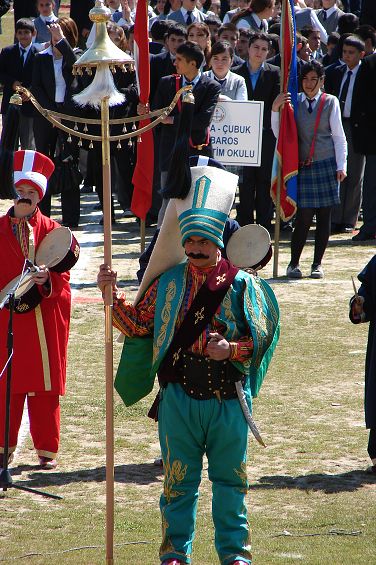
(336, 228)
(362, 236)
(348, 228)
(86, 189)
(149, 221)
(69, 225)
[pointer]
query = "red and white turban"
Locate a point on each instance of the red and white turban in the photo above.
(34, 169)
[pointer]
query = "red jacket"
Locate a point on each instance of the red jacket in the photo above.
(41, 335)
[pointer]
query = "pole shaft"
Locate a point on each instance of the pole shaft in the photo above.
(107, 248)
(142, 235)
(277, 225)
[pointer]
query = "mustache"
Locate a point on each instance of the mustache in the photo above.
(197, 255)
(24, 201)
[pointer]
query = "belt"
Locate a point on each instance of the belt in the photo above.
(204, 378)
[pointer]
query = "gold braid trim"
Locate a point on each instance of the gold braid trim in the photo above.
(43, 348)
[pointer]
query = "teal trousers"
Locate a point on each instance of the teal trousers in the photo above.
(189, 428)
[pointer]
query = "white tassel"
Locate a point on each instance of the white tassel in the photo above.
(103, 85)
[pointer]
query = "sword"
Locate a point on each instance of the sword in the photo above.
(247, 414)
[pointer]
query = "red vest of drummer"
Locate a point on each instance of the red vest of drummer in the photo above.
(36, 254)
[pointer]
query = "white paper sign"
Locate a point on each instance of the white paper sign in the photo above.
(236, 132)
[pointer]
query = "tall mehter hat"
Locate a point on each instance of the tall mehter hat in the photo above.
(34, 169)
(205, 210)
(203, 213)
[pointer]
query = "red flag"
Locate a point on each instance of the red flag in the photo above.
(286, 153)
(143, 173)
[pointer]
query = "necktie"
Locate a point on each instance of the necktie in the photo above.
(189, 17)
(220, 80)
(344, 91)
(261, 26)
(310, 102)
(23, 51)
(325, 15)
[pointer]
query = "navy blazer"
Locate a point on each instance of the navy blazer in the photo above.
(43, 83)
(368, 13)
(206, 93)
(267, 87)
(363, 108)
(79, 12)
(11, 69)
(333, 83)
(161, 65)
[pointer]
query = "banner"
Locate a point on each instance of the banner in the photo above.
(236, 132)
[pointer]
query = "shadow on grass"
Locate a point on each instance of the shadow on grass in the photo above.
(142, 474)
(329, 484)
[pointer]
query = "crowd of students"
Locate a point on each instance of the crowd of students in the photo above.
(227, 49)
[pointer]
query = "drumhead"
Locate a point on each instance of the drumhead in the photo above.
(249, 246)
(59, 250)
(53, 248)
(27, 295)
(24, 286)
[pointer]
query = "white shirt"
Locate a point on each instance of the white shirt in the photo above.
(60, 86)
(193, 82)
(245, 24)
(49, 19)
(336, 128)
(354, 71)
(194, 15)
(316, 24)
(330, 11)
(241, 93)
(228, 15)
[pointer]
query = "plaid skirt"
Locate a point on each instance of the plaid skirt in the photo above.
(317, 185)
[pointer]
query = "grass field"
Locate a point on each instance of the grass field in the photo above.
(310, 500)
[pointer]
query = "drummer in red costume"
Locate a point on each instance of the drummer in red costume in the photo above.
(40, 332)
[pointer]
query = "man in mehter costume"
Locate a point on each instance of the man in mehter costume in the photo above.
(214, 328)
(41, 318)
(363, 309)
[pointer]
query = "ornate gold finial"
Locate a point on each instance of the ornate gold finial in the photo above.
(100, 12)
(16, 99)
(103, 50)
(188, 97)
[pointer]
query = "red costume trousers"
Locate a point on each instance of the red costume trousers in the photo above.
(44, 418)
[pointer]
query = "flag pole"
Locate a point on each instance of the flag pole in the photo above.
(277, 224)
(142, 235)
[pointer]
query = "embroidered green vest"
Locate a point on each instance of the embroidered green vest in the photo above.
(249, 308)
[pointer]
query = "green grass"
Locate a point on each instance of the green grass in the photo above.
(309, 501)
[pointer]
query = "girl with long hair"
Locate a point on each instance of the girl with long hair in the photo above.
(256, 16)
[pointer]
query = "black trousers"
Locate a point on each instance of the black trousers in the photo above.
(46, 141)
(254, 190)
(372, 443)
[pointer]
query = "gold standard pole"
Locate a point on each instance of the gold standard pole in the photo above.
(107, 245)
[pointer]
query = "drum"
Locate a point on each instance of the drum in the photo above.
(27, 295)
(59, 250)
(250, 247)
